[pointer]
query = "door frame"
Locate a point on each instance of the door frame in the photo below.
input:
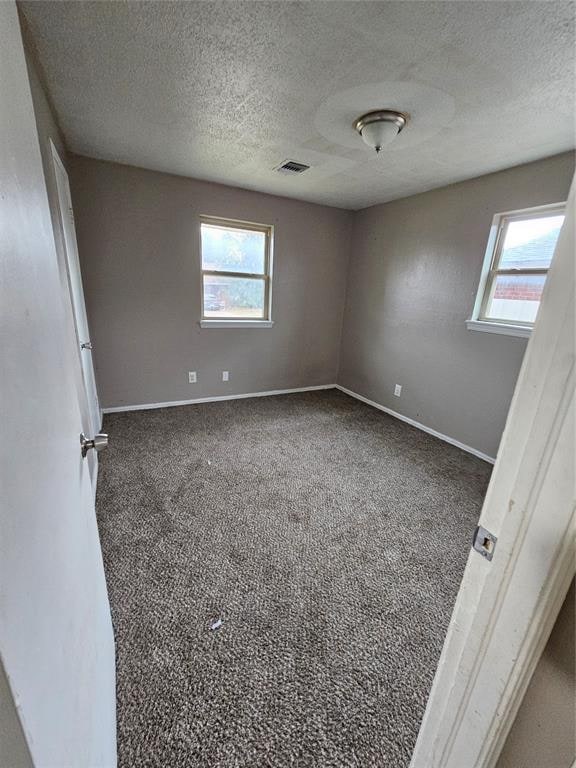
(507, 606)
(66, 257)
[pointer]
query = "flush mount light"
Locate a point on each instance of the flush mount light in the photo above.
(380, 127)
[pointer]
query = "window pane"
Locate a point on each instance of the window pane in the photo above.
(530, 243)
(239, 297)
(515, 297)
(233, 250)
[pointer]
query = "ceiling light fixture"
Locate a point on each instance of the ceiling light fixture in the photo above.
(380, 127)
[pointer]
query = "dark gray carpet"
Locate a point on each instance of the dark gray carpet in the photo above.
(328, 537)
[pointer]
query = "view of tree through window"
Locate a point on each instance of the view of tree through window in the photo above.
(235, 270)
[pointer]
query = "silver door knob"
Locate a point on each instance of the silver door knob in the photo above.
(99, 442)
(86, 345)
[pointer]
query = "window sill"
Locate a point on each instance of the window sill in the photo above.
(523, 331)
(236, 323)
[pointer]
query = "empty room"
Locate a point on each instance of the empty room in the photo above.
(287, 393)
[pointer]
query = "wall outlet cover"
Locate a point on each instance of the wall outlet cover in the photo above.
(398, 390)
(225, 375)
(191, 377)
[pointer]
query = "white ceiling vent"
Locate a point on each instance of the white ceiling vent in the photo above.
(291, 167)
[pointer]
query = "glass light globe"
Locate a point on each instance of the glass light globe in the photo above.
(379, 134)
(380, 127)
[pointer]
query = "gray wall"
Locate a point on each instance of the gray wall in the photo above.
(138, 241)
(544, 732)
(414, 271)
(412, 278)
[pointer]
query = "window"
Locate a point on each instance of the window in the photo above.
(519, 254)
(236, 272)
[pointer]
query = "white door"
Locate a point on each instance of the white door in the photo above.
(91, 407)
(56, 640)
(510, 597)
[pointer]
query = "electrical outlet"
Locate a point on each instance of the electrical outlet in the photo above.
(225, 375)
(191, 377)
(398, 390)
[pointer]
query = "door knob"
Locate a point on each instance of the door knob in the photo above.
(99, 442)
(86, 345)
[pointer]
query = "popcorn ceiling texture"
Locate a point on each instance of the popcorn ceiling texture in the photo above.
(329, 538)
(226, 91)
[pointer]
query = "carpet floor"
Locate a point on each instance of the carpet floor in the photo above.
(329, 540)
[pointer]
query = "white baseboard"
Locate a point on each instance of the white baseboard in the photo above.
(195, 401)
(417, 424)
(173, 403)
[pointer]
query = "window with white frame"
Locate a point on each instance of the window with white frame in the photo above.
(236, 270)
(519, 254)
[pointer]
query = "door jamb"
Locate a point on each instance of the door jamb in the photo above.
(57, 161)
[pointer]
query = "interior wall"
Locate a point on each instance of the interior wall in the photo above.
(138, 237)
(544, 732)
(414, 271)
(46, 123)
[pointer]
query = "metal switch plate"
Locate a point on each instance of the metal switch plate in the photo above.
(484, 542)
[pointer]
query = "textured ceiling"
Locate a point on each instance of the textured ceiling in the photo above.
(227, 90)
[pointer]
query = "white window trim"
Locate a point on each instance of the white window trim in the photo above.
(237, 322)
(476, 321)
(504, 329)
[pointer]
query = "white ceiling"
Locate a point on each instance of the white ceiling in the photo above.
(227, 90)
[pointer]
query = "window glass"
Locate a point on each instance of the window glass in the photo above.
(240, 297)
(515, 298)
(516, 265)
(530, 243)
(233, 250)
(236, 263)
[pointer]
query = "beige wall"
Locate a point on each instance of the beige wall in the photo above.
(414, 271)
(138, 241)
(544, 733)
